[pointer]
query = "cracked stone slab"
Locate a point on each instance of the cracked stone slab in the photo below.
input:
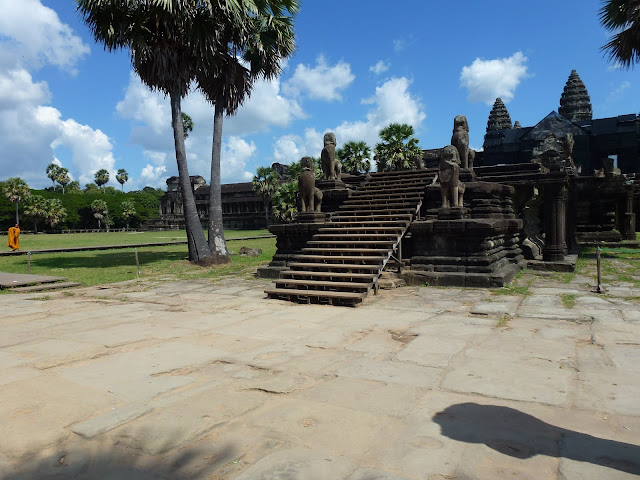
(493, 308)
(109, 420)
(297, 464)
(391, 372)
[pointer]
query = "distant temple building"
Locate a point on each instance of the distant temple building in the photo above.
(242, 208)
(595, 139)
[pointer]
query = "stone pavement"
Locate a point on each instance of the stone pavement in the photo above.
(201, 380)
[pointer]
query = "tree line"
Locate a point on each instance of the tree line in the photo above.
(52, 210)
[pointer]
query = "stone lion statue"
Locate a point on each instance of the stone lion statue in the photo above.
(460, 140)
(331, 167)
(310, 195)
(451, 188)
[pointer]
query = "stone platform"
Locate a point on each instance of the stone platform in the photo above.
(12, 280)
(200, 380)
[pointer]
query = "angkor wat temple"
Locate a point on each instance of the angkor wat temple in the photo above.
(531, 197)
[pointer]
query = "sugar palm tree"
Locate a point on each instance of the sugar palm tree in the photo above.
(101, 177)
(355, 157)
(254, 46)
(622, 17)
(166, 39)
(398, 149)
(128, 211)
(284, 202)
(52, 173)
(36, 208)
(16, 190)
(265, 183)
(63, 177)
(187, 125)
(122, 177)
(56, 213)
(100, 211)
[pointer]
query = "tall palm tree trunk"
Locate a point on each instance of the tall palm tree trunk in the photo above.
(17, 222)
(198, 249)
(216, 230)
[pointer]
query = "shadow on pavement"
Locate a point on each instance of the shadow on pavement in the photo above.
(517, 434)
(117, 463)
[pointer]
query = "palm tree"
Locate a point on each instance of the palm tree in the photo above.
(252, 46)
(128, 211)
(398, 149)
(102, 177)
(56, 213)
(63, 177)
(355, 157)
(52, 173)
(265, 183)
(187, 125)
(623, 17)
(285, 202)
(122, 177)
(16, 190)
(100, 211)
(36, 208)
(167, 40)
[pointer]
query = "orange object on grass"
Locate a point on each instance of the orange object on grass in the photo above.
(14, 238)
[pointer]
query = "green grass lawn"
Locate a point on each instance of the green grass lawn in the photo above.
(43, 241)
(100, 267)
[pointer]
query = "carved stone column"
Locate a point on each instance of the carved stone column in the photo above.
(555, 222)
(629, 215)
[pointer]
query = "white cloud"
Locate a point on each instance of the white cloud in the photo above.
(379, 67)
(265, 108)
(399, 44)
(17, 87)
(153, 176)
(322, 82)
(32, 135)
(35, 36)
(487, 80)
(291, 148)
(391, 103)
(236, 152)
(151, 115)
(143, 105)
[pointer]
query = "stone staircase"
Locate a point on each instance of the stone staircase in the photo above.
(343, 261)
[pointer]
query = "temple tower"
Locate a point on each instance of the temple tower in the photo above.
(575, 103)
(499, 118)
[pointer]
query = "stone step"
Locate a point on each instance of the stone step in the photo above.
(354, 215)
(368, 277)
(45, 287)
(378, 205)
(379, 244)
(399, 173)
(405, 214)
(354, 250)
(378, 189)
(343, 297)
(322, 284)
(333, 259)
(368, 199)
(335, 266)
(362, 228)
(381, 223)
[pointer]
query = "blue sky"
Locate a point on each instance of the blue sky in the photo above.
(358, 66)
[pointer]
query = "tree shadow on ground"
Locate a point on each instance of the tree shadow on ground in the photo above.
(115, 462)
(107, 259)
(517, 434)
